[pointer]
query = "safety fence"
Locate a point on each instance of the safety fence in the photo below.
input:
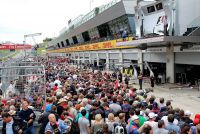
(24, 78)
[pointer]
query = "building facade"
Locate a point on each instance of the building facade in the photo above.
(163, 33)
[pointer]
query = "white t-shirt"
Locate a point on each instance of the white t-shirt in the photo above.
(10, 89)
(164, 118)
(153, 124)
(74, 76)
(58, 82)
(0, 85)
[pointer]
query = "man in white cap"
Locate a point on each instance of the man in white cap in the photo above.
(57, 81)
(133, 128)
(187, 117)
(151, 122)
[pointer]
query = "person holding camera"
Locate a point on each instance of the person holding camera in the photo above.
(28, 116)
(12, 125)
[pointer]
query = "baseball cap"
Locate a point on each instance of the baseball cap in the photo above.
(188, 113)
(152, 115)
(134, 117)
(196, 121)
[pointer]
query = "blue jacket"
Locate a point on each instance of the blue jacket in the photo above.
(63, 128)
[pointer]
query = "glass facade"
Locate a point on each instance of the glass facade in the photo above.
(118, 25)
(94, 33)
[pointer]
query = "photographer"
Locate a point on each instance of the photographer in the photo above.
(27, 115)
(12, 124)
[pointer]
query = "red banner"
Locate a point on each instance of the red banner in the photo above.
(16, 46)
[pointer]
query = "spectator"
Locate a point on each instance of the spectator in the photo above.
(84, 124)
(133, 128)
(198, 129)
(107, 109)
(141, 118)
(146, 129)
(161, 128)
(185, 129)
(54, 126)
(187, 117)
(43, 119)
(151, 122)
(97, 124)
(48, 107)
(171, 127)
(111, 122)
(140, 78)
(114, 106)
(12, 125)
(27, 114)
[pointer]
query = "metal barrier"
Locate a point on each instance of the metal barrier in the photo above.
(25, 78)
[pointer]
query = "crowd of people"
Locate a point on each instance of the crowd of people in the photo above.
(81, 101)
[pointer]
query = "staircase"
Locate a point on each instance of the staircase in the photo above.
(193, 29)
(189, 31)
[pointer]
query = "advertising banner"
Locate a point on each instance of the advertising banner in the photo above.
(106, 45)
(16, 46)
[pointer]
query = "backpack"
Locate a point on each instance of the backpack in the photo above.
(74, 129)
(119, 129)
(99, 131)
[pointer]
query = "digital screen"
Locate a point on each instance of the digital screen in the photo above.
(159, 6)
(151, 9)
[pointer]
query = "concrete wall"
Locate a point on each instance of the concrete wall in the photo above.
(186, 12)
(114, 56)
(102, 55)
(154, 57)
(130, 56)
(129, 6)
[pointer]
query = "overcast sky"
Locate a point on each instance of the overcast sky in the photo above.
(21, 17)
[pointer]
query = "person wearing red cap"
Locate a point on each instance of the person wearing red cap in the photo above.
(193, 129)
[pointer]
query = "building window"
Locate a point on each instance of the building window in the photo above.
(151, 9)
(58, 45)
(75, 40)
(159, 6)
(62, 43)
(67, 42)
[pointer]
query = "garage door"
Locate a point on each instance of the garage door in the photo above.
(155, 57)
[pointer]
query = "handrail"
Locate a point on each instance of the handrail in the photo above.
(194, 23)
(90, 15)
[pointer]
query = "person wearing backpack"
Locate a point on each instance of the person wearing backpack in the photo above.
(104, 130)
(73, 125)
(120, 127)
(97, 124)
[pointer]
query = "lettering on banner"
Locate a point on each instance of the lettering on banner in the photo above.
(87, 47)
(107, 45)
(96, 46)
(81, 48)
